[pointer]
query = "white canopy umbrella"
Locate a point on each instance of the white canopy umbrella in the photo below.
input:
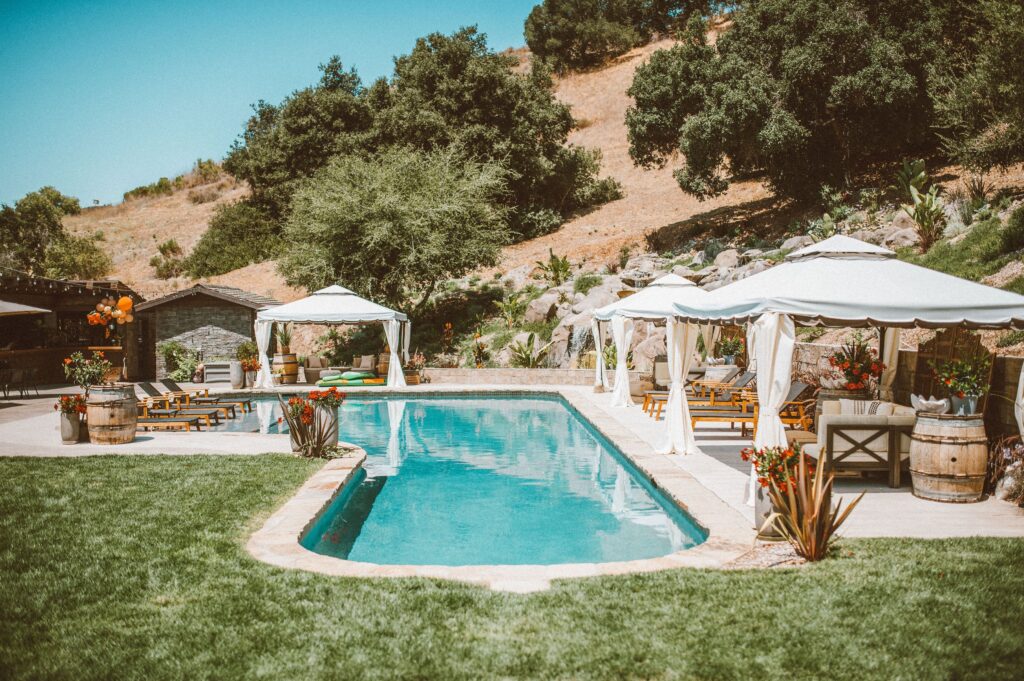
(655, 303)
(12, 309)
(843, 282)
(333, 305)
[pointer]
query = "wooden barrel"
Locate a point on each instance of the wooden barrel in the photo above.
(112, 414)
(948, 457)
(288, 365)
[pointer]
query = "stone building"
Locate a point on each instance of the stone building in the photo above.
(212, 319)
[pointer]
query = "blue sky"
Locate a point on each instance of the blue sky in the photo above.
(100, 97)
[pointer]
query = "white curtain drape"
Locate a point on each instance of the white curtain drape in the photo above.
(709, 333)
(396, 377)
(406, 335)
(396, 412)
(773, 338)
(890, 356)
(264, 379)
(265, 413)
(598, 331)
(751, 357)
(622, 336)
(680, 341)
(1018, 403)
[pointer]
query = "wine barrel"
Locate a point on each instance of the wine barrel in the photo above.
(288, 365)
(948, 457)
(112, 414)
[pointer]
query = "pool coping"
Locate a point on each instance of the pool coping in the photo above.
(729, 535)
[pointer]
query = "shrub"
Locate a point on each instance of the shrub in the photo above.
(512, 308)
(180, 361)
(247, 350)
(169, 261)
(1012, 236)
(198, 196)
(586, 281)
(1013, 337)
(239, 234)
(527, 355)
(161, 187)
(77, 257)
(976, 255)
(578, 34)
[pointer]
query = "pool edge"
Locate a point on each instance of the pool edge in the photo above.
(277, 542)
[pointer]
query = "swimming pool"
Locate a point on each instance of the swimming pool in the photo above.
(483, 480)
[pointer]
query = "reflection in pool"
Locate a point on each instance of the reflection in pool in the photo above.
(491, 480)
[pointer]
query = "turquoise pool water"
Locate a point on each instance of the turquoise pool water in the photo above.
(491, 480)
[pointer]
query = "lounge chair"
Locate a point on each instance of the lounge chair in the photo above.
(209, 416)
(205, 398)
(705, 393)
(151, 391)
(744, 410)
(176, 422)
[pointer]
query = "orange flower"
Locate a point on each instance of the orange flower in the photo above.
(67, 360)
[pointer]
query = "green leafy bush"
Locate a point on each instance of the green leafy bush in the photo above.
(556, 270)
(512, 308)
(77, 257)
(239, 234)
(168, 263)
(928, 215)
(247, 350)
(1012, 237)
(32, 225)
(162, 187)
(527, 355)
(1011, 338)
(977, 254)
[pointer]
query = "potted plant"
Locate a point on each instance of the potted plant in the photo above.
(72, 409)
(313, 422)
(966, 380)
(249, 368)
(853, 371)
(326, 403)
(284, 338)
(730, 347)
(415, 368)
(772, 465)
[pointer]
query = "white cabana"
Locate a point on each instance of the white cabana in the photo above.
(334, 305)
(843, 282)
(654, 303)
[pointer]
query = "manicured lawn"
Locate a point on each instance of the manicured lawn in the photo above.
(134, 567)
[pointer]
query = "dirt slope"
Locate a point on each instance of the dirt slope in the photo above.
(652, 200)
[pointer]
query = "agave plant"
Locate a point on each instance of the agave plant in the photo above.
(804, 514)
(527, 355)
(557, 269)
(284, 336)
(928, 214)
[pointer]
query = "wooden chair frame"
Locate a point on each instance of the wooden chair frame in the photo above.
(867, 434)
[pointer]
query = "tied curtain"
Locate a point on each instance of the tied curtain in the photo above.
(622, 336)
(598, 331)
(264, 378)
(889, 356)
(773, 338)
(396, 377)
(680, 342)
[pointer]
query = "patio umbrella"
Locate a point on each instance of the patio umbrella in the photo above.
(13, 309)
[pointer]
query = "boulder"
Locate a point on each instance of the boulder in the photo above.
(599, 296)
(651, 347)
(685, 273)
(901, 220)
(728, 258)
(542, 308)
(699, 259)
(517, 277)
(795, 242)
(901, 238)
(751, 254)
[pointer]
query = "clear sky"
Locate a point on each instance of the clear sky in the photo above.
(99, 97)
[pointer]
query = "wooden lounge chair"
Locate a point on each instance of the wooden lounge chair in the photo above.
(793, 411)
(173, 422)
(205, 398)
(711, 394)
(151, 391)
(209, 416)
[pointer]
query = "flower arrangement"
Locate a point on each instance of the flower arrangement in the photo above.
(417, 362)
(85, 371)
(775, 465)
(855, 366)
(730, 347)
(70, 404)
(251, 364)
(964, 378)
(111, 314)
(327, 399)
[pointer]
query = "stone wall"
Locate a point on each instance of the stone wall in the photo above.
(214, 327)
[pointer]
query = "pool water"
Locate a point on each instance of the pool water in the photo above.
(491, 480)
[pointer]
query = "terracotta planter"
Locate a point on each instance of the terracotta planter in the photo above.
(70, 428)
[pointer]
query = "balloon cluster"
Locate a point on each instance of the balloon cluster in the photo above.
(112, 313)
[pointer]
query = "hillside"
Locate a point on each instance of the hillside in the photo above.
(652, 200)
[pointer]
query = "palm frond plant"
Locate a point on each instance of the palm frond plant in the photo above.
(512, 308)
(527, 355)
(284, 337)
(911, 175)
(928, 215)
(804, 515)
(557, 269)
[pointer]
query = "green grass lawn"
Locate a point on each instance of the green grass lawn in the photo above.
(134, 567)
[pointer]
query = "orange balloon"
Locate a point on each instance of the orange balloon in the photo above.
(124, 304)
(99, 307)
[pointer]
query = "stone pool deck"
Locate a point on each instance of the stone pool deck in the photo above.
(715, 479)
